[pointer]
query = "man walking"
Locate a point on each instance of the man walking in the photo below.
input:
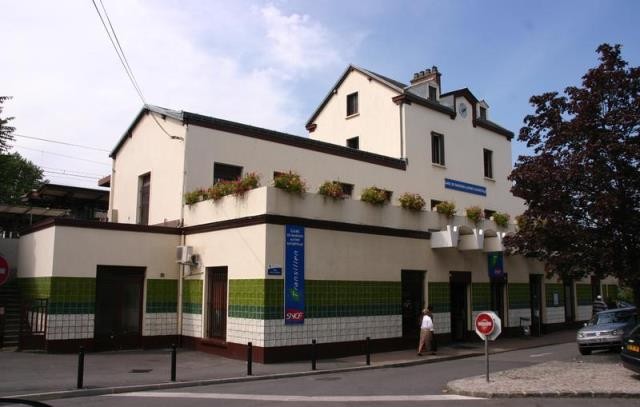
(426, 328)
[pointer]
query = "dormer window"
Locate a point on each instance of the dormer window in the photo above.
(352, 104)
(433, 93)
(483, 113)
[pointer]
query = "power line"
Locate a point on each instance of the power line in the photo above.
(62, 155)
(125, 63)
(69, 175)
(72, 171)
(62, 142)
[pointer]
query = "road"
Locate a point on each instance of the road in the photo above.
(421, 385)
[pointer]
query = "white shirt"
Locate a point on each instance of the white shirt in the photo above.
(427, 323)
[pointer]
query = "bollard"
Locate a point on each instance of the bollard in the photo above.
(173, 362)
(80, 367)
(249, 359)
(313, 354)
(368, 350)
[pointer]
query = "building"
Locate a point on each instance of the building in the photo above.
(355, 270)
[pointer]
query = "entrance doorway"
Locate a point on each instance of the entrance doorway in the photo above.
(497, 297)
(459, 282)
(535, 290)
(412, 302)
(118, 320)
(216, 312)
(569, 295)
(595, 288)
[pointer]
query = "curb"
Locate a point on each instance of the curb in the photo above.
(541, 394)
(61, 394)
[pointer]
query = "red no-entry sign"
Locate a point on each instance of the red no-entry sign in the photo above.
(484, 324)
(4, 270)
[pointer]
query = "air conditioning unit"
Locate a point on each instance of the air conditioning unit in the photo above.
(183, 254)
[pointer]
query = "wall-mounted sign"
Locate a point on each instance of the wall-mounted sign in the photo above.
(294, 275)
(496, 265)
(274, 270)
(465, 187)
(4, 270)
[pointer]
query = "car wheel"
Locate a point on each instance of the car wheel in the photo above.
(585, 351)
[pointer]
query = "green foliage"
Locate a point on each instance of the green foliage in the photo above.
(474, 213)
(196, 196)
(290, 182)
(413, 202)
(446, 208)
(18, 176)
(581, 184)
(331, 189)
(501, 219)
(221, 189)
(374, 196)
(6, 131)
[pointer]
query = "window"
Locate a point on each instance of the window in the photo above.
(144, 192)
(352, 104)
(434, 203)
(488, 163)
(437, 148)
(226, 172)
(488, 213)
(433, 93)
(483, 113)
(353, 142)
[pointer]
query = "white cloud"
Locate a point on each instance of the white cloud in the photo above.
(216, 58)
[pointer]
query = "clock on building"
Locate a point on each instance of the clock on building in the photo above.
(462, 108)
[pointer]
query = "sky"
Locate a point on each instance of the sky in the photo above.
(270, 63)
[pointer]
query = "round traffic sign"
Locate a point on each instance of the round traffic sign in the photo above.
(484, 324)
(4, 270)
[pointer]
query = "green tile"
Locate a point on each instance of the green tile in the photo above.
(481, 296)
(519, 296)
(550, 290)
(439, 296)
(583, 294)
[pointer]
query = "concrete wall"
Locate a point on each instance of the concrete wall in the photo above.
(377, 123)
(36, 253)
(149, 150)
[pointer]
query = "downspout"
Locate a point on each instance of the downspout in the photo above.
(400, 105)
(183, 239)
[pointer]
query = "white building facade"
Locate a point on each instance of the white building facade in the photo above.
(360, 270)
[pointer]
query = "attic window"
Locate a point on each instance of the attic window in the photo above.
(433, 93)
(483, 113)
(352, 104)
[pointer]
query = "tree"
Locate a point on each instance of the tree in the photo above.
(18, 176)
(6, 131)
(582, 184)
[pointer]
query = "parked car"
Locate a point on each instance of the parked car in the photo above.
(606, 329)
(630, 353)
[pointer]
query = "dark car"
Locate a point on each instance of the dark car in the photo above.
(606, 329)
(630, 353)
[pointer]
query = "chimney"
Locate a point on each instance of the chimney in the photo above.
(426, 76)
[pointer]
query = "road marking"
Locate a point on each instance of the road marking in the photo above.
(271, 397)
(539, 355)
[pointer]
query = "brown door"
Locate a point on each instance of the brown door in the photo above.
(217, 303)
(118, 319)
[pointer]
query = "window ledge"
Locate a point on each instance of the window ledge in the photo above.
(436, 165)
(351, 116)
(489, 179)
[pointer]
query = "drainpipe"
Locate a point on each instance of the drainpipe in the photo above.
(401, 131)
(183, 239)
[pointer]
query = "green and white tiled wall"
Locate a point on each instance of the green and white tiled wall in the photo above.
(336, 311)
(554, 302)
(519, 304)
(192, 308)
(584, 302)
(160, 317)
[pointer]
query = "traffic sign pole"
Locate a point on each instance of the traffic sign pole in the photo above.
(486, 356)
(488, 326)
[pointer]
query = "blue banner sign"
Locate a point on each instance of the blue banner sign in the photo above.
(496, 265)
(465, 187)
(294, 275)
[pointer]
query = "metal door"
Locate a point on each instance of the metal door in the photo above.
(217, 303)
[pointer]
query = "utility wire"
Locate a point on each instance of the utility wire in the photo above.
(72, 171)
(69, 175)
(62, 155)
(125, 63)
(62, 142)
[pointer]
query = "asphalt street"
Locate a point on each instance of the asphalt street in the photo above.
(412, 385)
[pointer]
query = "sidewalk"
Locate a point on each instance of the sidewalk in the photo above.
(34, 374)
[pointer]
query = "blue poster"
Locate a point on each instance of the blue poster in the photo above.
(294, 275)
(496, 265)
